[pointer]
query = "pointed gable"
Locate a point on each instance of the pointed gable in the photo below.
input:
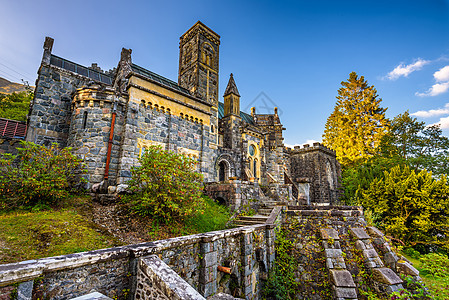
(231, 88)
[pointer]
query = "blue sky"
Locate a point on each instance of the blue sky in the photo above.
(295, 52)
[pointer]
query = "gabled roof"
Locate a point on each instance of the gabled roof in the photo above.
(231, 88)
(245, 117)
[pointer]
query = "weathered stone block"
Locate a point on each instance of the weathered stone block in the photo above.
(406, 268)
(25, 290)
(386, 275)
(333, 253)
(210, 259)
(360, 245)
(390, 258)
(373, 231)
(329, 233)
(359, 233)
(342, 278)
(370, 253)
(346, 293)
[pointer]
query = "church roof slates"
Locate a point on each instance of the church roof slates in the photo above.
(245, 117)
(158, 78)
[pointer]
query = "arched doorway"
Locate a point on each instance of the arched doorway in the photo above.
(222, 171)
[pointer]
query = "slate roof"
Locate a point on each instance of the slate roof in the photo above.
(245, 117)
(158, 78)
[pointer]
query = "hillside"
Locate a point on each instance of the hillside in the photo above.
(8, 87)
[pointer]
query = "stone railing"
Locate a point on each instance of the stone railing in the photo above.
(248, 252)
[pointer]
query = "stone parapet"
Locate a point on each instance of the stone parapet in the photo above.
(194, 258)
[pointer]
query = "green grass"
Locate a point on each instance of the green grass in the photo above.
(215, 217)
(28, 235)
(33, 233)
(438, 286)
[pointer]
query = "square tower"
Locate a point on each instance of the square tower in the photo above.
(198, 62)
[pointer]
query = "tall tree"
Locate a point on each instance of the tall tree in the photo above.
(358, 122)
(423, 147)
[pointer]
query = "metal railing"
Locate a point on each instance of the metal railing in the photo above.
(12, 128)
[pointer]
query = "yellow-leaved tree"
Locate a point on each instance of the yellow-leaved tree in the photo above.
(358, 122)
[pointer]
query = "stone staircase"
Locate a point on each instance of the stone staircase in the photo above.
(357, 257)
(266, 206)
(250, 220)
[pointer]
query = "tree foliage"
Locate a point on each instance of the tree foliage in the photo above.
(411, 206)
(15, 106)
(165, 186)
(407, 142)
(38, 175)
(357, 124)
(423, 147)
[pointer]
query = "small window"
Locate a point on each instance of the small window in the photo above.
(252, 150)
(84, 120)
(212, 129)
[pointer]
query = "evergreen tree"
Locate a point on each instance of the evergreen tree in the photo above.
(358, 122)
(15, 106)
(411, 206)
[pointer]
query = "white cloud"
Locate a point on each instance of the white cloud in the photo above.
(443, 122)
(442, 74)
(435, 90)
(432, 112)
(405, 70)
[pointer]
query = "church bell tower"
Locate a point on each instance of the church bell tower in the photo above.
(198, 62)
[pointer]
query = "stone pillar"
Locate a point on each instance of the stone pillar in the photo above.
(208, 266)
(247, 263)
(270, 237)
(48, 46)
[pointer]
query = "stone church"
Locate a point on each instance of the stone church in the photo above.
(109, 118)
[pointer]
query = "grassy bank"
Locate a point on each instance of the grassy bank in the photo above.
(70, 228)
(437, 285)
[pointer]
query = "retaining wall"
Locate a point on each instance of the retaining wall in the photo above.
(248, 251)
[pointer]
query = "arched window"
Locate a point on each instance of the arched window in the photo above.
(222, 171)
(255, 168)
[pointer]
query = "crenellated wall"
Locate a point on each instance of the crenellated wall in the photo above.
(317, 168)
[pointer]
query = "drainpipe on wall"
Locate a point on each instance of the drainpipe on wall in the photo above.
(111, 136)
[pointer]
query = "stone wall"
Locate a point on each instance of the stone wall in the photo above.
(50, 111)
(90, 127)
(234, 193)
(318, 167)
(247, 251)
(146, 125)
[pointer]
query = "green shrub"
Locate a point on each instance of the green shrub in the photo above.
(435, 264)
(38, 175)
(165, 186)
(412, 253)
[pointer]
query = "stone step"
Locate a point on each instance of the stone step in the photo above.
(265, 211)
(247, 222)
(259, 218)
